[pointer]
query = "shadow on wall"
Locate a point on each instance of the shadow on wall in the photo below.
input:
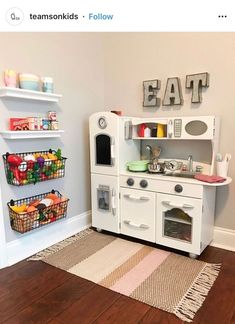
(86, 150)
(222, 195)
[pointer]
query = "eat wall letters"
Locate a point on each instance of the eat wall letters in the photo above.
(173, 92)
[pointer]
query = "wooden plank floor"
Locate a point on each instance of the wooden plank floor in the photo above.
(34, 292)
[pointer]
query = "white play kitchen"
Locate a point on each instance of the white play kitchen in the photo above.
(154, 178)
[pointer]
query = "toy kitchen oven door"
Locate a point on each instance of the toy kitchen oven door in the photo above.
(179, 222)
(104, 140)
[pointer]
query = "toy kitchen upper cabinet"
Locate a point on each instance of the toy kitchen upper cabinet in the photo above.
(104, 142)
(183, 128)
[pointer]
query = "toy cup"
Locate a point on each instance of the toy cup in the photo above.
(10, 78)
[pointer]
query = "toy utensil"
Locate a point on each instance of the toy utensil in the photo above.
(227, 157)
(156, 152)
(219, 157)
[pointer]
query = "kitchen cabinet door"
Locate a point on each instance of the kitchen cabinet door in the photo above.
(105, 207)
(137, 209)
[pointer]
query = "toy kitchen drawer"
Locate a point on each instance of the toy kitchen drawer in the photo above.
(137, 214)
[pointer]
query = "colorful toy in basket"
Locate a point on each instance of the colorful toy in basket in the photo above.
(33, 167)
(30, 213)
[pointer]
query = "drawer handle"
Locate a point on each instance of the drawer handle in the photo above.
(130, 223)
(171, 204)
(136, 198)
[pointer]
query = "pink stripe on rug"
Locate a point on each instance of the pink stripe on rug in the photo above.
(132, 279)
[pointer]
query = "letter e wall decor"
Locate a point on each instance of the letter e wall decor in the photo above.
(150, 93)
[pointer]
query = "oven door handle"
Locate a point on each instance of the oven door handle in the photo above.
(172, 204)
(130, 223)
(136, 198)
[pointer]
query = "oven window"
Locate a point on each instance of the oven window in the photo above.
(177, 225)
(103, 150)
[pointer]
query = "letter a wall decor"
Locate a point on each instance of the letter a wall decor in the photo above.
(173, 93)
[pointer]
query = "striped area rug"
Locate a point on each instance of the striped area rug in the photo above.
(162, 279)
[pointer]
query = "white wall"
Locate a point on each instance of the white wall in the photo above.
(75, 61)
(131, 58)
(104, 71)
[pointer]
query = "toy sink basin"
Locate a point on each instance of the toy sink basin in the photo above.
(138, 166)
(182, 174)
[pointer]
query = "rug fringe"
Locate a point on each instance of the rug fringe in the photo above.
(196, 294)
(58, 246)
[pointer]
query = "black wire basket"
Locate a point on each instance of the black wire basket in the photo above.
(32, 167)
(30, 213)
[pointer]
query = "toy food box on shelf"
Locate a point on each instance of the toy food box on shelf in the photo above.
(18, 124)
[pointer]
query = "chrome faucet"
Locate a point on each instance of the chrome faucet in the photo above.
(149, 148)
(190, 163)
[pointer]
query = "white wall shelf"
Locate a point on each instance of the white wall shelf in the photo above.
(14, 135)
(151, 138)
(165, 138)
(16, 93)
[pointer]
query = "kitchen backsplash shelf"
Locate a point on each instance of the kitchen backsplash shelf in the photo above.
(150, 138)
(180, 128)
(16, 93)
(15, 135)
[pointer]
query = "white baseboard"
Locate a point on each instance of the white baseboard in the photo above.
(36, 241)
(224, 238)
(26, 246)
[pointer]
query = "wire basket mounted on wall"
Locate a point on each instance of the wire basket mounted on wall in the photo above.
(32, 212)
(32, 167)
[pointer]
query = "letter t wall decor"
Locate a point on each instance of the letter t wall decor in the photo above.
(196, 82)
